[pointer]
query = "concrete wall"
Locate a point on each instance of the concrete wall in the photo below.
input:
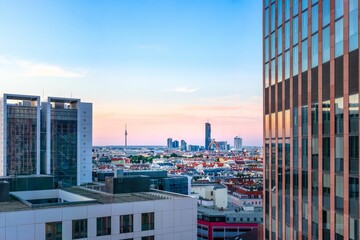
(174, 219)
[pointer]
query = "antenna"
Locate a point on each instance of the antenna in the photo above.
(126, 136)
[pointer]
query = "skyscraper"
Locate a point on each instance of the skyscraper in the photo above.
(67, 140)
(20, 135)
(311, 119)
(183, 145)
(237, 143)
(169, 143)
(207, 135)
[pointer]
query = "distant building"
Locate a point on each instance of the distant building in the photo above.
(193, 148)
(183, 145)
(169, 143)
(237, 143)
(223, 146)
(207, 135)
(20, 135)
(175, 144)
(211, 194)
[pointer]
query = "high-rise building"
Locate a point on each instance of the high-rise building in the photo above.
(207, 135)
(183, 145)
(19, 135)
(169, 143)
(311, 119)
(175, 144)
(67, 140)
(237, 143)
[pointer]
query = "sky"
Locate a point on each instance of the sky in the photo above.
(163, 67)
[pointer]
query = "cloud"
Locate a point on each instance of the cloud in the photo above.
(183, 90)
(26, 68)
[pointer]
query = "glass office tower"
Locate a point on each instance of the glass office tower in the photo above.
(207, 135)
(311, 119)
(19, 134)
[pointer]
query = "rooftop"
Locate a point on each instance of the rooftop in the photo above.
(94, 197)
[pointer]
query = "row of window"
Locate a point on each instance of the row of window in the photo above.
(272, 42)
(53, 230)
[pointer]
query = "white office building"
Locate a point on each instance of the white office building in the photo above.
(238, 143)
(80, 213)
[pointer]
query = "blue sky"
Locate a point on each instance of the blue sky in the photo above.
(164, 67)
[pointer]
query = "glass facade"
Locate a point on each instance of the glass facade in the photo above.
(21, 140)
(64, 146)
(319, 163)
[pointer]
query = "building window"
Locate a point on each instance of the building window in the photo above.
(326, 12)
(326, 45)
(103, 225)
(353, 25)
(148, 238)
(287, 9)
(304, 4)
(304, 24)
(339, 8)
(126, 223)
(295, 30)
(339, 37)
(287, 35)
(295, 61)
(304, 54)
(53, 231)
(147, 221)
(314, 50)
(314, 19)
(79, 228)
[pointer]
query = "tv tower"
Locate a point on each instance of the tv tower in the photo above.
(125, 136)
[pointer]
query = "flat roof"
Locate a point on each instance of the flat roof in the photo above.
(21, 97)
(99, 198)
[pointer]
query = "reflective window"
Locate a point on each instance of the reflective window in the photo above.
(339, 115)
(314, 19)
(353, 25)
(103, 226)
(273, 68)
(295, 60)
(339, 37)
(273, 43)
(266, 75)
(295, 7)
(79, 228)
(266, 3)
(326, 12)
(304, 56)
(287, 35)
(314, 50)
(53, 231)
(304, 4)
(266, 22)
(147, 221)
(280, 40)
(266, 49)
(280, 68)
(287, 64)
(314, 1)
(295, 30)
(279, 12)
(304, 25)
(126, 223)
(353, 229)
(326, 45)
(339, 8)
(272, 17)
(354, 113)
(287, 9)
(339, 226)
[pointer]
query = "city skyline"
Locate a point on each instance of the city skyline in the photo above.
(163, 68)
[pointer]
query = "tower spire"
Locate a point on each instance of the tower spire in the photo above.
(126, 136)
